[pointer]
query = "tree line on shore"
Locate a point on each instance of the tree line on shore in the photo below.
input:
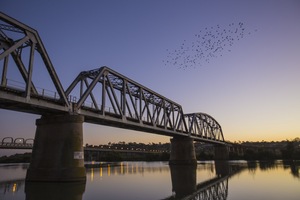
(286, 150)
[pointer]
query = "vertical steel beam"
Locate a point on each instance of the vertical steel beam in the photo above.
(140, 98)
(4, 72)
(165, 114)
(123, 97)
(103, 101)
(30, 69)
(173, 117)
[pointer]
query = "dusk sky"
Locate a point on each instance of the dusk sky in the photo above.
(238, 61)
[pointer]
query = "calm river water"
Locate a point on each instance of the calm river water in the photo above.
(157, 180)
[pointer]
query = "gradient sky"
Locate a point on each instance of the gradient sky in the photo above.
(251, 90)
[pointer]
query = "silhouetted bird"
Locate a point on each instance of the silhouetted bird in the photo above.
(210, 44)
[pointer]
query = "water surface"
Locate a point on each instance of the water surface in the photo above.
(157, 180)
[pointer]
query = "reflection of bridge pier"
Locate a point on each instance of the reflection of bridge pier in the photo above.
(216, 188)
(222, 168)
(185, 186)
(183, 179)
(50, 191)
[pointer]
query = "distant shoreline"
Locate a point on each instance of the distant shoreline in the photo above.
(25, 158)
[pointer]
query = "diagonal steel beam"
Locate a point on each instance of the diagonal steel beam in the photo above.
(132, 101)
(14, 47)
(92, 95)
(89, 90)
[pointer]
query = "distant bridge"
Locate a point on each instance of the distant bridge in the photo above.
(21, 143)
(17, 143)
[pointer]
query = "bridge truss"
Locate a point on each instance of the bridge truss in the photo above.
(102, 96)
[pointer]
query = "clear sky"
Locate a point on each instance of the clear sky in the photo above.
(249, 80)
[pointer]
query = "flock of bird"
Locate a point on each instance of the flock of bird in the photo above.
(208, 44)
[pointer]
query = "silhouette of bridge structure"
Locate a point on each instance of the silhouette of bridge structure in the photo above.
(185, 186)
(215, 188)
(100, 96)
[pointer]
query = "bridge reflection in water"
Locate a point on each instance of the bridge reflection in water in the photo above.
(185, 185)
(49, 190)
(184, 182)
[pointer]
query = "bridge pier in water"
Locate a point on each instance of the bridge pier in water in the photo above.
(182, 151)
(57, 153)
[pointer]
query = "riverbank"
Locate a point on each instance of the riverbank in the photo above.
(110, 157)
(115, 157)
(16, 158)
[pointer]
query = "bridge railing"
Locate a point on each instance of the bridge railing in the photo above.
(19, 87)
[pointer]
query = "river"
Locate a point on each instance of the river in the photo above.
(157, 180)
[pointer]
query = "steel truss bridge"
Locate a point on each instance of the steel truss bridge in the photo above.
(103, 96)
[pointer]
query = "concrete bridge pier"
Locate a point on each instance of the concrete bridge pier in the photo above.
(182, 151)
(221, 152)
(57, 153)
